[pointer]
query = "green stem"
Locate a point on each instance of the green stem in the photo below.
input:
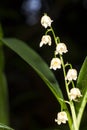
(75, 125)
(66, 84)
(71, 103)
(48, 30)
(73, 85)
(55, 39)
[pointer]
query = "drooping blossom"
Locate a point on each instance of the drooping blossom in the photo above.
(71, 75)
(46, 39)
(55, 64)
(61, 48)
(75, 93)
(61, 118)
(46, 21)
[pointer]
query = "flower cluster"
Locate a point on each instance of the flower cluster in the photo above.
(60, 49)
(57, 62)
(46, 39)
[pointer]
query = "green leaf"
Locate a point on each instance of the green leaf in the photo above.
(82, 85)
(5, 127)
(36, 62)
(82, 78)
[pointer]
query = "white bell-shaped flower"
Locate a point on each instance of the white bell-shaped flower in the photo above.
(75, 93)
(61, 118)
(46, 21)
(46, 39)
(61, 48)
(55, 64)
(71, 75)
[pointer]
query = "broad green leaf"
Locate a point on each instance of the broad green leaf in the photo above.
(5, 127)
(36, 62)
(82, 85)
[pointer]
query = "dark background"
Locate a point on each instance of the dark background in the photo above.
(32, 105)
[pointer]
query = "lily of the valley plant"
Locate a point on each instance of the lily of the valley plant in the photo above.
(72, 108)
(70, 74)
